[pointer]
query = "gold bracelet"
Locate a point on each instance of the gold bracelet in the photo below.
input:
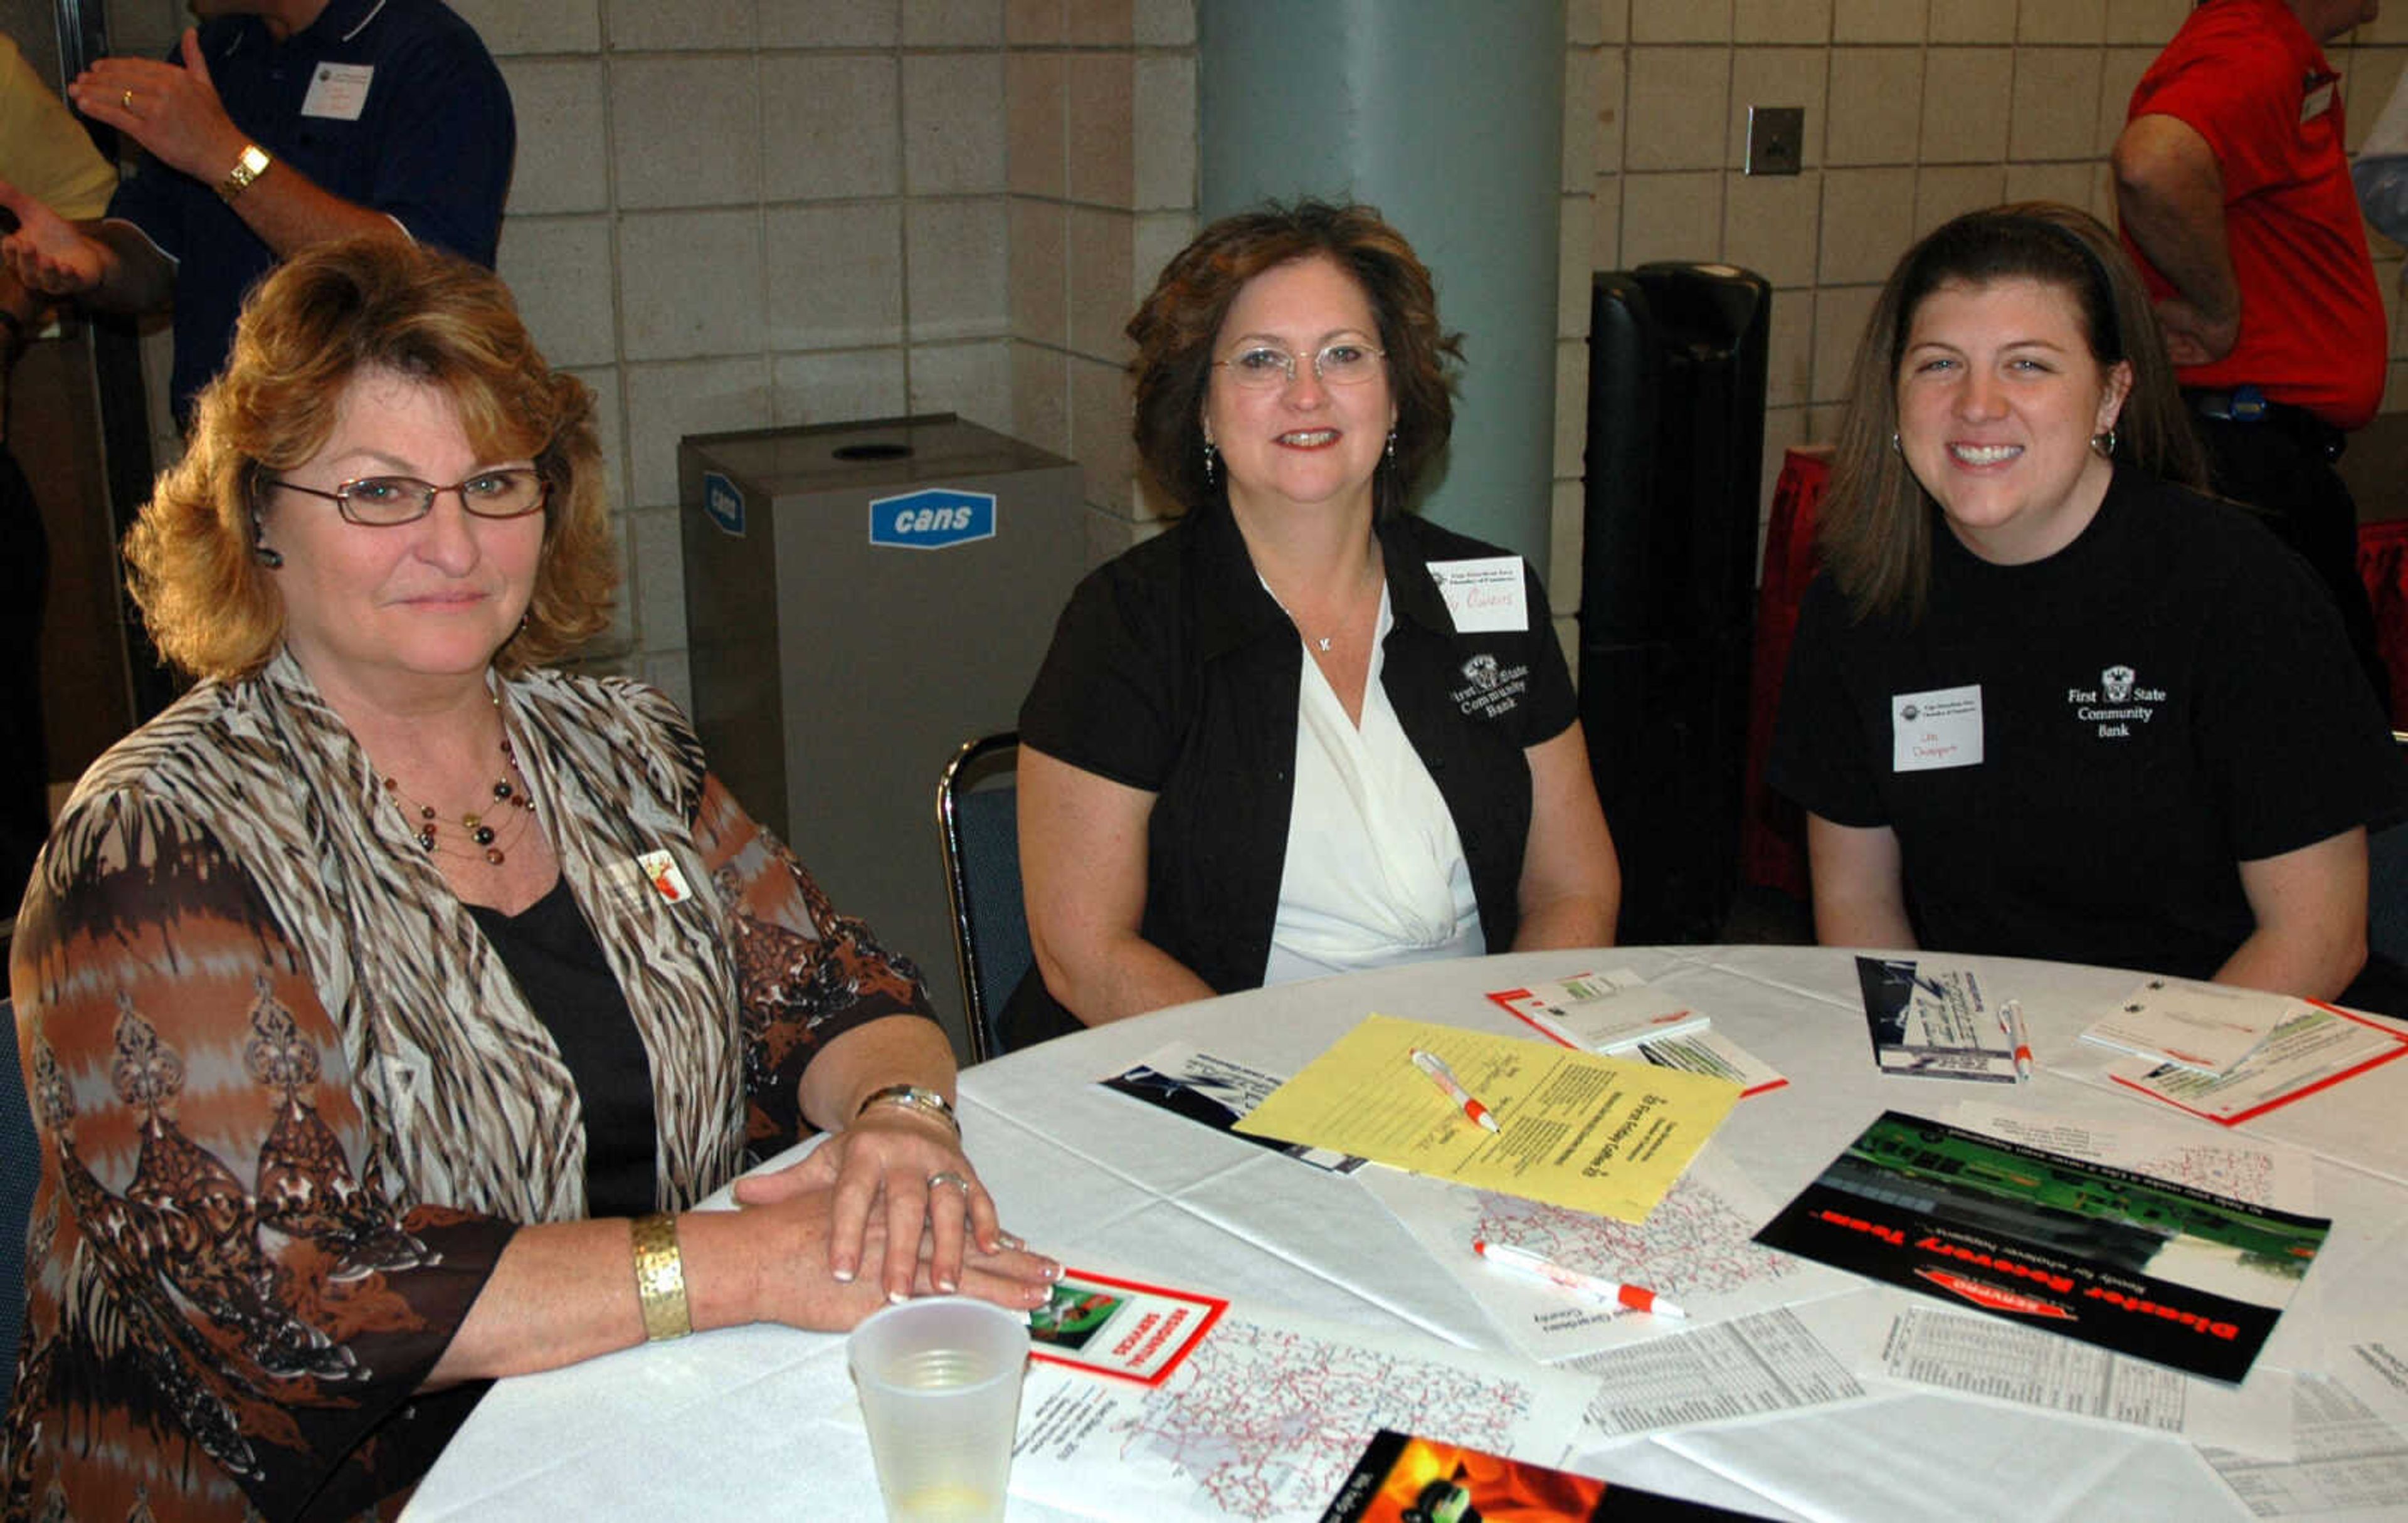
(660, 1277)
(915, 1097)
(252, 165)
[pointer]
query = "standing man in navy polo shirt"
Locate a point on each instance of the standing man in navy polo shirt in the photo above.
(2233, 187)
(279, 123)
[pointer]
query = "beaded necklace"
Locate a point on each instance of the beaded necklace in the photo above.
(510, 793)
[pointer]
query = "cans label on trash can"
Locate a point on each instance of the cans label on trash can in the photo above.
(724, 503)
(933, 518)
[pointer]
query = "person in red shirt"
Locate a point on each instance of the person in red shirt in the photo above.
(2233, 187)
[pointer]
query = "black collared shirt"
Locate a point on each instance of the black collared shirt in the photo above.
(1173, 670)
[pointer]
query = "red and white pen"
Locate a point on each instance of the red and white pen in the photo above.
(2011, 1018)
(1442, 1076)
(1530, 1266)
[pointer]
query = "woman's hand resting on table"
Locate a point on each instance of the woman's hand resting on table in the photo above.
(898, 1194)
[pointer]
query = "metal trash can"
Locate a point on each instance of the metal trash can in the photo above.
(861, 598)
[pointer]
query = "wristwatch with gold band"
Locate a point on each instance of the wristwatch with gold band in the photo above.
(252, 165)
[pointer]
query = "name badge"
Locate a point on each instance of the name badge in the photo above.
(338, 91)
(652, 876)
(1485, 596)
(2318, 101)
(661, 870)
(1928, 731)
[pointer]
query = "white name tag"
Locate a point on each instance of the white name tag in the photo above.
(653, 877)
(1940, 729)
(1484, 595)
(660, 870)
(338, 91)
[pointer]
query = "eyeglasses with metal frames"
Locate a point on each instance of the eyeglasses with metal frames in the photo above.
(388, 501)
(1340, 362)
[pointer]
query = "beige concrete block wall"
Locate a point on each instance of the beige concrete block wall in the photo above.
(1917, 109)
(739, 213)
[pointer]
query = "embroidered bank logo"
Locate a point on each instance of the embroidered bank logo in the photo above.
(933, 518)
(1490, 689)
(2118, 702)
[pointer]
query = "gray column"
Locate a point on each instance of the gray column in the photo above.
(1448, 116)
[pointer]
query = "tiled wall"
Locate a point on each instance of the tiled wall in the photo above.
(1101, 165)
(1915, 110)
(739, 213)
(746, 213)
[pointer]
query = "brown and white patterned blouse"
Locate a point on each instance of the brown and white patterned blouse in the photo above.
(293, 1106)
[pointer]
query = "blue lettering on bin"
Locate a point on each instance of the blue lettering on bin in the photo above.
(933, 518)
(724, 503)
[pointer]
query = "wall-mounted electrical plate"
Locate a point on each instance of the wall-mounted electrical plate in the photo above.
(1777, 138)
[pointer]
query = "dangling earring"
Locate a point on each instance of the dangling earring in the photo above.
(1894, 447)
(1391, 449)
(1208, 462)
(2104, 442)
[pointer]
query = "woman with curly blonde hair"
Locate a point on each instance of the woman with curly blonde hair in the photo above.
(386, 1001)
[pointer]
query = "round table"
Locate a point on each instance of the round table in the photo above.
(759, 1422)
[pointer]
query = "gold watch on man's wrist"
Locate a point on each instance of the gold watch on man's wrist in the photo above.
(252, 165)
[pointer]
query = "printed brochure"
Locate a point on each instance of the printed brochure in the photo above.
(1934, 1023)
(1125, 1328)
(1602, 1011)
(1404, 1478)
(2164, 1271)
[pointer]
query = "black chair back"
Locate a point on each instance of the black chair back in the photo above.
(978, 815)
(2387, 887)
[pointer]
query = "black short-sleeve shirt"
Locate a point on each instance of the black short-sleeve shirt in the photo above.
(2166, 698)
(1174, 672)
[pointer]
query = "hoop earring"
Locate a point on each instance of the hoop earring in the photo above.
(2104, 443)
(1208, 462)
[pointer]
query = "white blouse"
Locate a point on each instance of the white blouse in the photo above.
(1375, 871)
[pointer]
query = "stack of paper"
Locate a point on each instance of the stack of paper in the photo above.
(1602, 1011)
(1617, 1013)
(1934, 1023)
(2315, 1047)
(2203, 1026)
(1572, 1128)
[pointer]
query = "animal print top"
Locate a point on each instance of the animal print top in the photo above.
(293, 1106)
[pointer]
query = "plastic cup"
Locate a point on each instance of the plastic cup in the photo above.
(939, 1386)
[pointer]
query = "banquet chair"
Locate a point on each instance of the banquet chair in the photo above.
(2386, 889)
(978, 817)
(20, 1166)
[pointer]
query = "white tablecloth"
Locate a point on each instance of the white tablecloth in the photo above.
(759, 1422)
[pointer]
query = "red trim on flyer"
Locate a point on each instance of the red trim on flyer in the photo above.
(2303, 1091)
(1215, 1305)
(1505, 998)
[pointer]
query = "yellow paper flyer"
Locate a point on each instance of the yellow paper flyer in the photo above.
(1602, 1134)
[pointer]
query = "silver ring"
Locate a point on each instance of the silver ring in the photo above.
(946, 1176)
